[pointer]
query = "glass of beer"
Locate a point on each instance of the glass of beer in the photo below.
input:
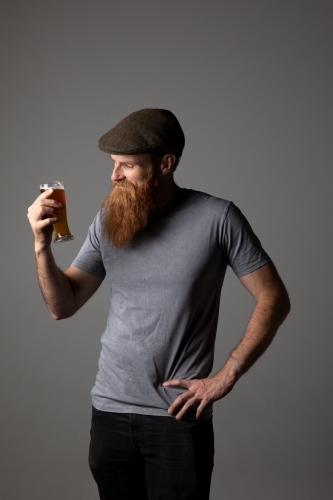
(61, 229)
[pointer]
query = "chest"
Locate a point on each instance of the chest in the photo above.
(169, 257)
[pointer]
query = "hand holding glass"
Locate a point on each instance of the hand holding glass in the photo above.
(61, 229)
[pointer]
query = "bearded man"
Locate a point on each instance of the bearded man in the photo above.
(164, 251)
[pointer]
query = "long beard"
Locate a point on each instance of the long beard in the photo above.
(125, 212)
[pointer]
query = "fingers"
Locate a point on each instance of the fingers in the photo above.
(200, 409)
(191, 398)
(44, 200)
(200, 393)
(180, 407)
(45, 194)
(177, 382)
(43, 205)
(182, 404)
(42, 214)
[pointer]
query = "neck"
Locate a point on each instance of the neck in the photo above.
(169, 191)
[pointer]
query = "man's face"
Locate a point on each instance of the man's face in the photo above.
(131, 168)
(136, 187)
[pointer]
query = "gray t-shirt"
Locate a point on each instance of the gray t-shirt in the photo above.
(165, 295)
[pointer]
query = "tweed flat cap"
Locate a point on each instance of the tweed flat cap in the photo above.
(148, 130)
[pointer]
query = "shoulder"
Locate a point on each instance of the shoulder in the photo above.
(208, 203)
(94, 232)
(95, 226)
(219, 205)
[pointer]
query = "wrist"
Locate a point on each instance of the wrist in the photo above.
(229, 373)
(41, 247)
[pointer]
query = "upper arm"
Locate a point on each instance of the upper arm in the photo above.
(83, 284)
(242, 248)
(265, 282)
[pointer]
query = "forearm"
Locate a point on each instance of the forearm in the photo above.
(56, 288)
(269, 313)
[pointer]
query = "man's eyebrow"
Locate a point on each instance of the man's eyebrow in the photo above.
(130, 162)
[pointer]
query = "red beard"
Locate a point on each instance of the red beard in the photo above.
(126, 211)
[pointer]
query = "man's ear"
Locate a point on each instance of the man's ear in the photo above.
(167, 164)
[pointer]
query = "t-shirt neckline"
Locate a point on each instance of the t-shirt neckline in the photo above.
(171, 205)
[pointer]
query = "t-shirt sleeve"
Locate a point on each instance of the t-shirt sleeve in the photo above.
(89, 258)
(241, 246)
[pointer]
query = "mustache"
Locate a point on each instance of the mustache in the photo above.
(123, 183)
(129, 192)
(130, 189)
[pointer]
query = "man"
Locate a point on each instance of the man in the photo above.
(165, 251)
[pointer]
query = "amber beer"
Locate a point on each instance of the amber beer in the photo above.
(61, 229)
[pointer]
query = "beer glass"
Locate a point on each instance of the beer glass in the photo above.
(61, 229)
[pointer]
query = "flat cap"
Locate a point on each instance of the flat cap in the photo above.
(148, 130)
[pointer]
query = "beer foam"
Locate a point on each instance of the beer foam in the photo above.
(52, 185)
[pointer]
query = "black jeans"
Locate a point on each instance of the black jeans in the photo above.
(144, 457)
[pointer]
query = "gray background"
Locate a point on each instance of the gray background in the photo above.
(251, 83)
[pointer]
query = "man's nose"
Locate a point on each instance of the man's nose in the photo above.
(117, 173)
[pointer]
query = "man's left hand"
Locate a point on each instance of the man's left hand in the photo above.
(200, 392)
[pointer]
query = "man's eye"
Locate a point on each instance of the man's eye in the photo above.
(128, 166)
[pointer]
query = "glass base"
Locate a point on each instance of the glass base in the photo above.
(64, 237)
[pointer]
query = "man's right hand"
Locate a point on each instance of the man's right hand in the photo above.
(42, 214)
(64, 292)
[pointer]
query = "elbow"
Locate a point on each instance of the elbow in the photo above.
(288, 306)
(284, 304)
(58, 315)
(279, 305)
